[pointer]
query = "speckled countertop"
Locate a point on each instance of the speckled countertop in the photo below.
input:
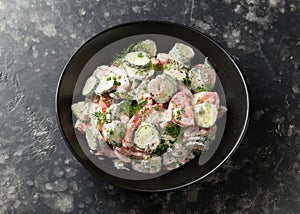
(39, 174)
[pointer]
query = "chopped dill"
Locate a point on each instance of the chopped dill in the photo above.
(131, 107)
(118, 60)
(163, 147)
(199, 89)
(178, 117)
(101, 117)
(172, 129)
(187, 81)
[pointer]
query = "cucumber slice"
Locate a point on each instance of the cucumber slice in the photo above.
(137, 59)
(93, 107)
(141, 91)
(182, 54)
(105, 85)
(91, 139)
(162, 88)
(137, 73)
(90, 86)
(101, 71)
(81, 110)
(205, 114)
(116, 131)
(123, 87)
(148, 46)
(202, 76)
(147, 137)
(118, 111)
(184, 50)
(178, 74)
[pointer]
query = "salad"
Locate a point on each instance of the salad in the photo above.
(150, 111)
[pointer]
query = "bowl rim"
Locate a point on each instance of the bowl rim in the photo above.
(213, 170)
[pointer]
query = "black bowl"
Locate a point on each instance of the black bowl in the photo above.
(235, 92)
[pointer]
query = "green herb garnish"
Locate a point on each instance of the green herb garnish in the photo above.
(178, 117)
(157, 67)
(135, 107)
(118, 144)
(156, 108)
(187, 81)
(163, 146)
(111, 132)
(170, 65)
(131, 107)
(140, 47)
(199, 89)
(141, 102)
(172, 129)
(118, 60)
(140, 54)
(116, 83)
(141, 71)
(101, 117)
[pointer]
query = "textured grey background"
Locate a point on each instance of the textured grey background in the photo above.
(38, 174)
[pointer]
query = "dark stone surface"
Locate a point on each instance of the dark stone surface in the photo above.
(38, 172)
